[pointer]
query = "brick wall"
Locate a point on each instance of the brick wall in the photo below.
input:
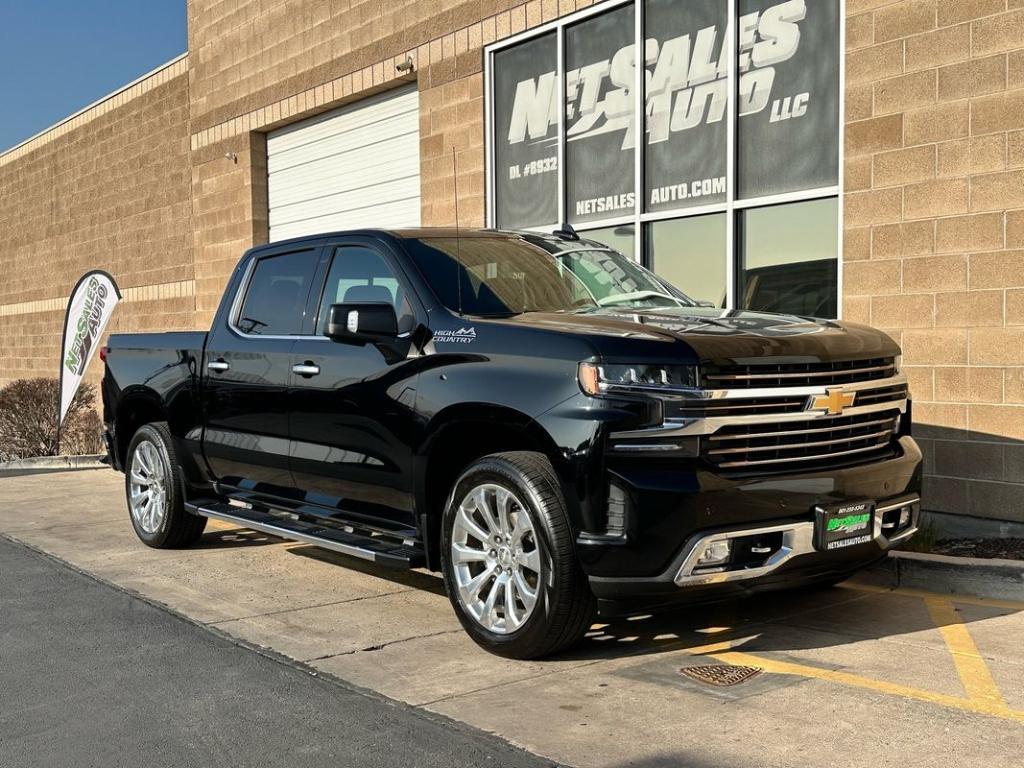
(107, 189)
(934, 218)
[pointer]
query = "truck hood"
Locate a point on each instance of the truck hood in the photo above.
(708, 334)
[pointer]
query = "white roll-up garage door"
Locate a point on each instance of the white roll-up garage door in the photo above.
(358, 166)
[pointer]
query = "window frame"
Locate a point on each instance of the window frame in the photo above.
(732, 207)
(245, 284)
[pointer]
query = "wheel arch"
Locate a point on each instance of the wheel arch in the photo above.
(138, 406)
(457, 437)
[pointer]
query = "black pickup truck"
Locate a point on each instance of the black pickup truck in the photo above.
(554, 428)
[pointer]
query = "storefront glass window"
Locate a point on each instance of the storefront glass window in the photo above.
(690, 254)
(789, 255)
(525, 134)
(622, 239)
(600, 122)
(788, 105)
(733, 144)
(687, 89)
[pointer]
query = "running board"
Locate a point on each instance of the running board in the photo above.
(374, 549)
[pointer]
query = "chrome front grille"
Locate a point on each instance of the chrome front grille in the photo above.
(792, 428)
(797, 374)
(803, 445)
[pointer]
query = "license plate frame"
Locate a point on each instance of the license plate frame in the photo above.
(839, 526)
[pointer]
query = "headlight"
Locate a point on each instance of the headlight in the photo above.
(596, 379)
(897, 363)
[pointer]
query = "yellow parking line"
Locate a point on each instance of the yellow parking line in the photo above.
(980, 706)
(988, 602)
(974, 672)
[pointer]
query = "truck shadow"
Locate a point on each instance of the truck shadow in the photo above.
(804, 620)
(233, 539)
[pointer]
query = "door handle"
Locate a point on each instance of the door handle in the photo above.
(218, 365)
(306, 369)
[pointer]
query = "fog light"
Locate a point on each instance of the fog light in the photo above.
(716, 553)
(904, 517)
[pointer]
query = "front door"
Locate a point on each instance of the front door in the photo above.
(352, 409)
(247, 370)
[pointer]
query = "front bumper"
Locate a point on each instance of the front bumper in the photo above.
(673, 514)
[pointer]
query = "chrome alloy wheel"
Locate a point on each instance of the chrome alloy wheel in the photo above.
(148, 488)
(495, 558)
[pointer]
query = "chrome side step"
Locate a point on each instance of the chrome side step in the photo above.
(372, 548)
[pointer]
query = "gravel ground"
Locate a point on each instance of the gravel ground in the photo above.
(1005, 549)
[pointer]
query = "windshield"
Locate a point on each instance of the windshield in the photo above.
(496, 276)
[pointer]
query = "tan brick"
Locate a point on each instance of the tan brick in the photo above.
(997, 191)
(898, 94)
(915, 238)
(904, 166)
(948, 416)
(998, 420)
(871, 278)
(874, 135)
(997, 33)
(944, 46)
(859, 31)
(935, 347)
(905, 18)
(935, 273)
(937, 123)
(857, 173)
(857, 244)
(972, 78)
(997, 112)
(969, 385)
(957, 11)
(978, 154)
(921, 380)
(1013, 385)
(860, 101)
(969, 309)
(942, 197)
(1015, 69)
(1015, 149)
(883, 206)
(1015, 229)
(1000, 269)
(1015, 307)
(874, 63)
(903, 311)
(983, 231)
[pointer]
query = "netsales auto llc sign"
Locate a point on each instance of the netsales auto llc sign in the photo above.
(787, 74)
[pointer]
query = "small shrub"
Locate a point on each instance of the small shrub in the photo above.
(28, 421)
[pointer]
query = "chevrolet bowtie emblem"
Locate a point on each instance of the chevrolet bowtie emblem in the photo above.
(832, 402)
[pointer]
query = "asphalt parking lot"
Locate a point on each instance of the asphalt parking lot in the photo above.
(850, 676)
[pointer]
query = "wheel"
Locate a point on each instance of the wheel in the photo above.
(508, 559)
(154, 486)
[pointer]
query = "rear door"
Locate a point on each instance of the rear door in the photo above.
(352, 413)
(247, 370)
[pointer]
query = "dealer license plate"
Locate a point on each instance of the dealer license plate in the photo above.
(844, 525)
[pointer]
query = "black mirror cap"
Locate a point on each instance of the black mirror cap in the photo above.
(362, 322)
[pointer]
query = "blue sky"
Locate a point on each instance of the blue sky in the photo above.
(57, 56)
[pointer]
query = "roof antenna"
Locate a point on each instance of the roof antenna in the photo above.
(566, 232)
(458, 237)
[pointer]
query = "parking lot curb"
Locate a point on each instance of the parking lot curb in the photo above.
(41, 464)
(979, 577)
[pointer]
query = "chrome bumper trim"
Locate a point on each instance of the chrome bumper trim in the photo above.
(797, 540)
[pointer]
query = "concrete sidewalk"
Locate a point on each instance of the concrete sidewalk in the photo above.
(851, 676)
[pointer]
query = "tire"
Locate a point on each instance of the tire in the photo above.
(534, 553)
(152, 469)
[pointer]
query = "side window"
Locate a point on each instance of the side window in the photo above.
(275, 302)
(361, 274)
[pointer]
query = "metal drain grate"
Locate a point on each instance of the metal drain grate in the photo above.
(722, 675)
